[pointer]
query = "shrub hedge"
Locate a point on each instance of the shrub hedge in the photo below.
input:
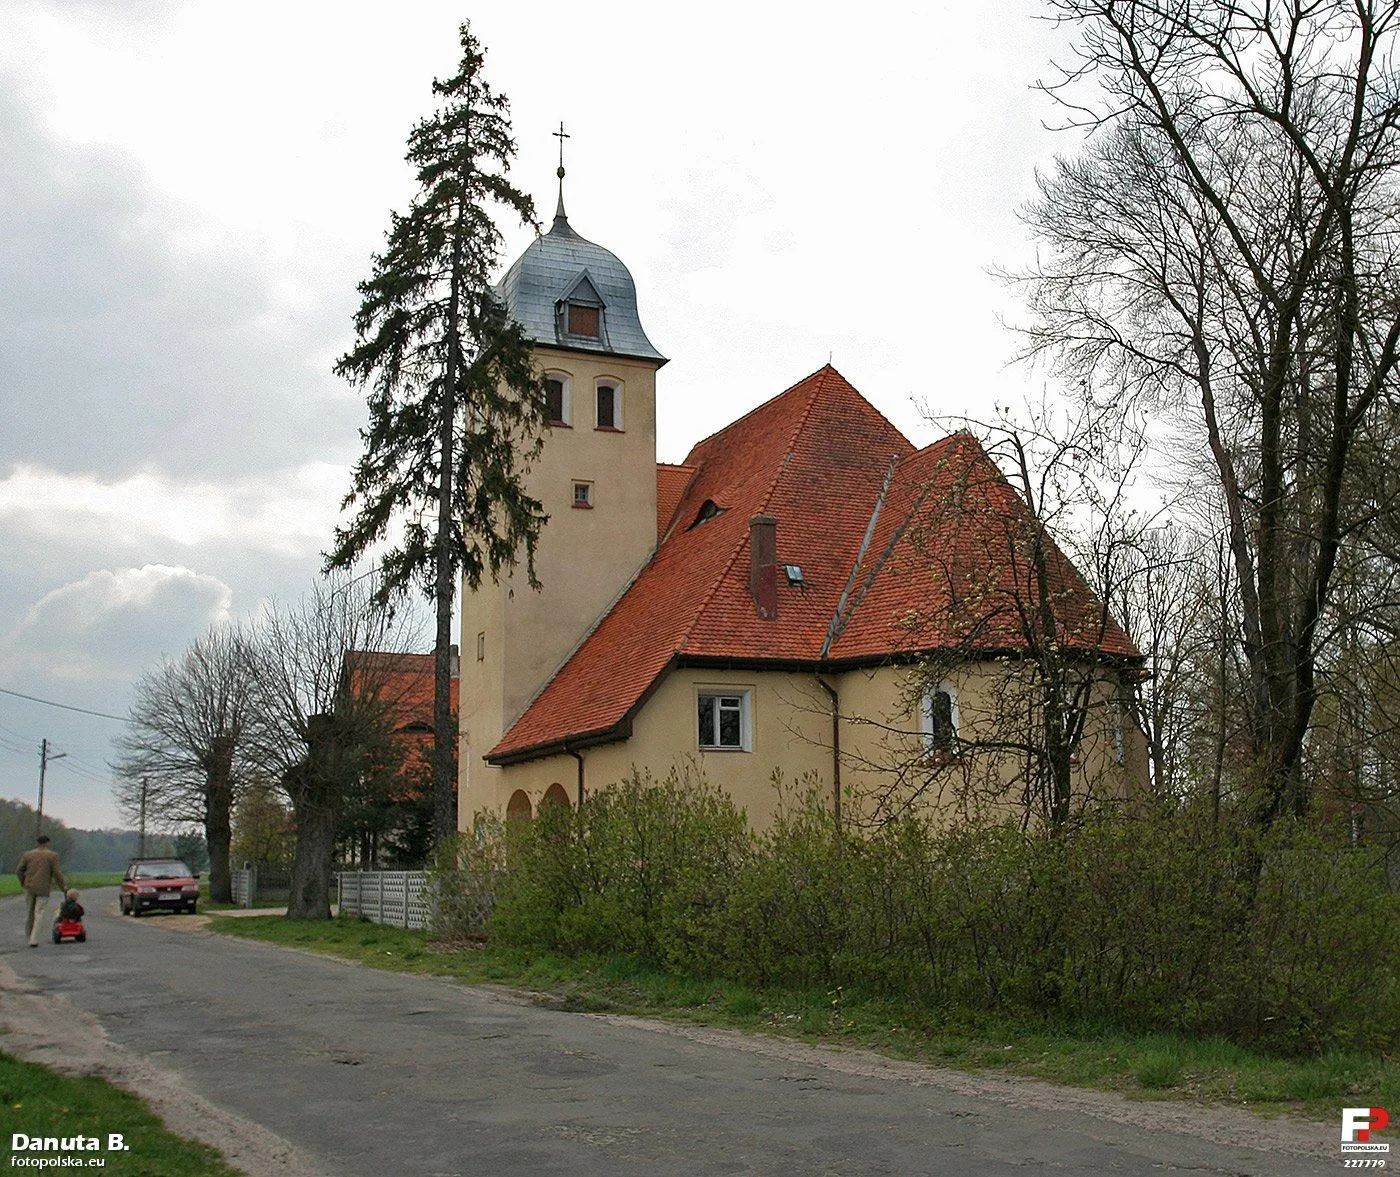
(1143, 921)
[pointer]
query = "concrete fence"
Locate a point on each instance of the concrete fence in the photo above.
(396, 897)
(252, 882)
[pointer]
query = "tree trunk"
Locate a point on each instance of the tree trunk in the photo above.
(315, 792)
(444, 584)
(218, 818)
(310, 897)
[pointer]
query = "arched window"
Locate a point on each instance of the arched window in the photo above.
(554, 795)
(518, 808)
(938, 718)
(608, 394)
(558, 397)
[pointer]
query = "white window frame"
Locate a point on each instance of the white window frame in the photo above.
(586, 503)
(616, 385)
(926, 718)
(566, 416)
(716, 694)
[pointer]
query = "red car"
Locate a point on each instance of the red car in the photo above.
(158, 884)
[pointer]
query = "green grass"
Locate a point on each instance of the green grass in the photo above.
(1151, 1066)
(40, 1102)
(83, 881)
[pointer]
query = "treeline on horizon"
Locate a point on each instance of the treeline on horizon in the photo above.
(93, 851)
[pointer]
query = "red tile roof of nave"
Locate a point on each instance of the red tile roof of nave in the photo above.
(814, 455)
(815, 458)
(671, 482)
(960, 577)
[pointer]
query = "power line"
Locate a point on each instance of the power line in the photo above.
(65, 706)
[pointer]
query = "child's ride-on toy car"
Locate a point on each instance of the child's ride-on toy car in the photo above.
(69, 930)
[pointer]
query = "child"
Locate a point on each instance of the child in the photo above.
(70, 909)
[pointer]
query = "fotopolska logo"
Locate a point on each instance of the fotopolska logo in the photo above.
(1357, 1126)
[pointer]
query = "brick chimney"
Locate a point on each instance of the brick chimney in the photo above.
(763, 565)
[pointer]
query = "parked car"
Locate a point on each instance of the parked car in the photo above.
(158, 884)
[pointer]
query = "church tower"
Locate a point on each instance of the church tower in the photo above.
(596, 479)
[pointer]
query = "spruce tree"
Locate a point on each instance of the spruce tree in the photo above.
(456, 407)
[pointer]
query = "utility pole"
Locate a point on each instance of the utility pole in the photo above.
(141, 848)
(44, 757)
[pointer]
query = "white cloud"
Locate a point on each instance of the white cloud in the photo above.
(113, 623)
(290, 513)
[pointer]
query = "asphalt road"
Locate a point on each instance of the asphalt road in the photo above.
(372, 1074)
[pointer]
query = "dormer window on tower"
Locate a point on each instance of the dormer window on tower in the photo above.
(583, 320)
(579, 314)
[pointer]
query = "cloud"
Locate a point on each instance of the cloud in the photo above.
(113, 623)
(290, 513)
(133, 335)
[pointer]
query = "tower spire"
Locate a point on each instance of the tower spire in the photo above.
(561, 222)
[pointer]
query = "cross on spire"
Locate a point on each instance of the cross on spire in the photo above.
(561, 135)
(561, 222)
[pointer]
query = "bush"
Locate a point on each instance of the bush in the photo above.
(463, 876)
(644, 868)
(1138, 921)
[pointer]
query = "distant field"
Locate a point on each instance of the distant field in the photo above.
(9, 885)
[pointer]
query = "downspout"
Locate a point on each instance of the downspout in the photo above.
(579, 757)
(835, 750)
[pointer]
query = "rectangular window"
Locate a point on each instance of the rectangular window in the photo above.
(583, 320)
(554, 401)
(481, 646)
(939, 719)
(723, 720)
(583, 494)
(607, 407)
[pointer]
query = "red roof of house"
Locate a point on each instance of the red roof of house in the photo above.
(815, 458)
(405, 681)
(671, 482)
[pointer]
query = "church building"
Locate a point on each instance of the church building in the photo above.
(807, 598)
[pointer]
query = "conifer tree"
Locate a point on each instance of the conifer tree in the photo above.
(456, 408)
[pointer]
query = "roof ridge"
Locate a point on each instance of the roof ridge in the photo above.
(763, 405)
(767, 498)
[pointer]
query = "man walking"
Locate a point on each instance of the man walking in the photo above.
(39, 873)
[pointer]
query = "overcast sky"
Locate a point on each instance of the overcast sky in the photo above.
(191, 191)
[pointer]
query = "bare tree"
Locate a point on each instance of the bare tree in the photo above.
(316, 735)
(1022, 679)
(186, 748)
(1224, 252)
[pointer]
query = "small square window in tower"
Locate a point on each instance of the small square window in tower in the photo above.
(583, 320)
(607, 407)
(583, 494)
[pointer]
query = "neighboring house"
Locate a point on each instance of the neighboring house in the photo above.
(807, 595)
(388, 815)
(404, 683)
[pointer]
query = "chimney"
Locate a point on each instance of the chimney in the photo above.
(763, 565)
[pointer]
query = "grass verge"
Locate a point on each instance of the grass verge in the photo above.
(1151, 1066)
(38, 1102)
(82, 880)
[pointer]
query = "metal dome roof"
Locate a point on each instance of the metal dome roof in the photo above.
(561, 266)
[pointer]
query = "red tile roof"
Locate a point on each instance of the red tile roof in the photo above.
(671, 482)
(815, 457)
(405, 683)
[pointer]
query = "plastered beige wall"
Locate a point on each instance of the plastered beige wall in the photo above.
(791, 735)
(584, 560)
